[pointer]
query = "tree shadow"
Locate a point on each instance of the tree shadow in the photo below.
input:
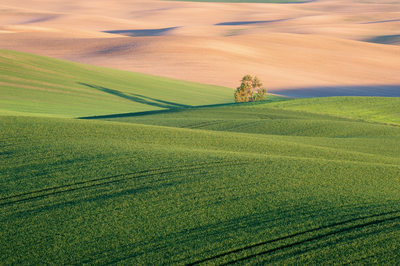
(176, 105)
(175, 110)
(138, 98)
(169, 107)
(279, 95)
(135, 114)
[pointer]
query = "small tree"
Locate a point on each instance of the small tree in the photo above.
(244, 92)
(250, 90)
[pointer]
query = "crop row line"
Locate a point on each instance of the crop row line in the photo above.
(105, 181)
(288, 237)
(311, 239)
(203, 124)
(242, 125)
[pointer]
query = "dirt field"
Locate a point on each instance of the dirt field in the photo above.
(321, 48)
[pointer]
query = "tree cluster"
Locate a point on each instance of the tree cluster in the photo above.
(250, 90)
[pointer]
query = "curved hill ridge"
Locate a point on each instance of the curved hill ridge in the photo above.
(34, 84)
(67, 89)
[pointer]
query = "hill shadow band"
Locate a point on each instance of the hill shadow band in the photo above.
(133, 114)
(385, 39)
(331, 91)
(239, 23)
(153, 112)
(381, 21)
(137, 97)
(171, 104)
(142, 32)
(41, 19)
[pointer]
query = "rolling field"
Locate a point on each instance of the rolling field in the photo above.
(103, 192)
(373, 109)
(248, 1)
(32, 84)
(271, 117)
(286, 181)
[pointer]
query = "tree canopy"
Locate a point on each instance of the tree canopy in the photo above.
(250, 90)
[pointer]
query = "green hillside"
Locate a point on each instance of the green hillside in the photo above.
(374, 109)
(234, 183)
(259, 118)
(101, 192)
(32, 84)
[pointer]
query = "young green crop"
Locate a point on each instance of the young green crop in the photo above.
(256, 118)
(37, 85)
(373, 109)
(103, 192)
(238, 183)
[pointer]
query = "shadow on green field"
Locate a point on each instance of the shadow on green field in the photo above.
(137, 97)
(170, 107)
(170, 110)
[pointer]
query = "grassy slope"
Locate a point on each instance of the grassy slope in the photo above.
(41, 85)
(262, 184)
(374, 109)
(260, 119)
(101, 192)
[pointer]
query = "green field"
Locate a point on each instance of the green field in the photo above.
(286, 181)
(373, 109)
(44, 86)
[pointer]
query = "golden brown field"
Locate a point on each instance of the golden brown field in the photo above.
(345, 45)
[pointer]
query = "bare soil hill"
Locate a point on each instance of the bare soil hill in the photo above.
(336, 47)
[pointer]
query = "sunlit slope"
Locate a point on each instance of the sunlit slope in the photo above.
(374, 109)
(40, 85)
(104, 192)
